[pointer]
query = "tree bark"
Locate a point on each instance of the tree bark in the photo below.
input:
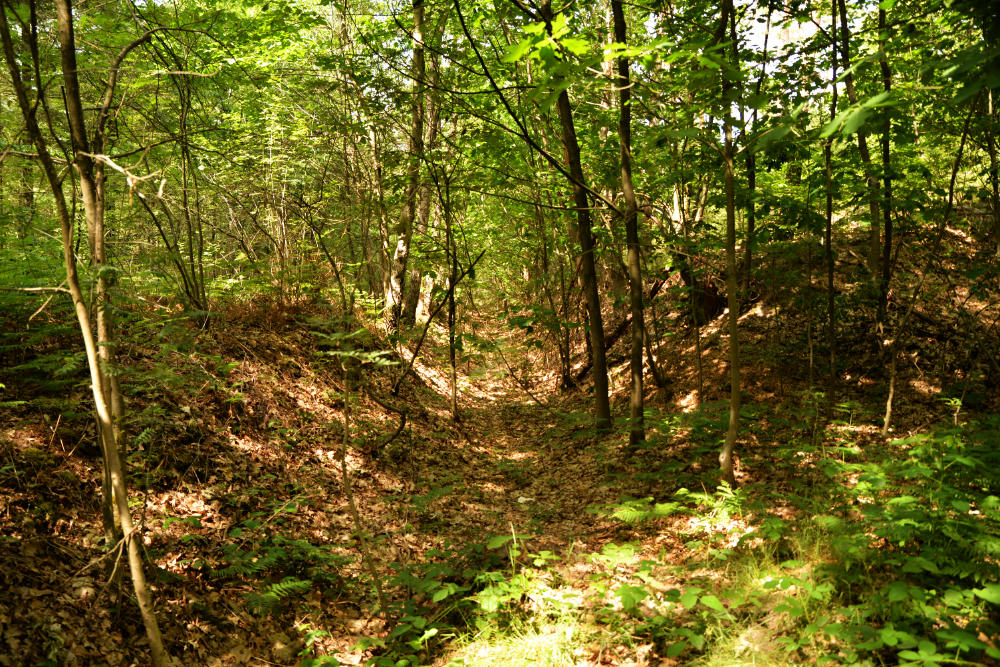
(93, 205)
(588, 273)
(875, 235)
(831, 321)
(991, 143)
(411, 290)
(404, 227)
(883, 61)
(732, 281)
(637, 429)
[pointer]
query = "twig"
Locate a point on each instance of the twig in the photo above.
(97, 559)
(131, 179)
(35, 289)
(430, 318)
(894, 343)
(403, 414)
(524, 385)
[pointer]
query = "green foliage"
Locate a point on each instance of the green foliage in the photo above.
(901, 566)
(643, 509)
(300, 564)
(274, 594)
(928, 546)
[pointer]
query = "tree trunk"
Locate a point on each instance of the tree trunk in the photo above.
(991, 143)
(831, 322)
(875, 235)
(732, 281)
(637, 430)
(93, 205)
(588, 274)
(883, 304)
(451, 253)
(404, 228)
(411, 290)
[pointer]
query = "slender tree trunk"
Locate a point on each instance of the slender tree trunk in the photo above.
(991, 143)
(751, 159)
(637, 430)
(451, 250)
(27, 202)
(83, 164)
(732, 280)
(588, 273)
(875, 235)
(901, 325)
(831, 322)
(404, 228)
(883, 304)
(411, 290)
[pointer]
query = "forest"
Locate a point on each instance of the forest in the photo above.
(499, 332)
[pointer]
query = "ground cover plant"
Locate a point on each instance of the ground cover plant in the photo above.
(468, 333)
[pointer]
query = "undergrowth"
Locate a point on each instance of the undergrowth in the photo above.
(893, 558)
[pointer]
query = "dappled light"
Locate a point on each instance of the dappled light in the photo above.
(499, 334)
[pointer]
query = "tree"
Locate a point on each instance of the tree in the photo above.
(573, 170)
(624, 86)
(395, 289)
(89, 169)
(732, 280)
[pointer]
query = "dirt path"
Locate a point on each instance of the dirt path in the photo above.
(512, 464)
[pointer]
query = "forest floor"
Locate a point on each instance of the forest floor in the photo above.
(517, 535)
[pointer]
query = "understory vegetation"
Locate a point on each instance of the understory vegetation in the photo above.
(498, 333)
(520, 535)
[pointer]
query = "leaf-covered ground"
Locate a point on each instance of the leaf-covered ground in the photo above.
(517, 535)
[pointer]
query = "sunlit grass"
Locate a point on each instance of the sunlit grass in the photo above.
(545, 644)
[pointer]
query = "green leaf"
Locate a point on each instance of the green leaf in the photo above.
(990, 593)
(898, 591)
(709, 62)
(690, 598)
(713, 602)
(498, 541)
(631, 596)
(576, 46)
(675, 650)
(517, 51)
(855, 121)
(775, 134)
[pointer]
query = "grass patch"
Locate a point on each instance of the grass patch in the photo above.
(523, 644)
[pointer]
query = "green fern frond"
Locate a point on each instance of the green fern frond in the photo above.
(639, 511)
(266, 602)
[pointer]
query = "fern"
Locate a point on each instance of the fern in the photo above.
(279, 553)
(249, 563)
(273, 595)
(635, 512)
(145, 436)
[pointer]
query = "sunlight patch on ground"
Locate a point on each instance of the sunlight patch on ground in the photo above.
(553, 645)
(492, 487)
(690, 402)
(247, 445)
(759, 310)
(924, 387)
